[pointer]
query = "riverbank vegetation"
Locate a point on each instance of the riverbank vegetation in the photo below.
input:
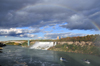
(20, 43)
(12, 43)
(86, 49)
(25, 44)
(93, 38)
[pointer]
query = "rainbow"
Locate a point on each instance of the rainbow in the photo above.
(44, 4)
(57, 5)
(98, 28)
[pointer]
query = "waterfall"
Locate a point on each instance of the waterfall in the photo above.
(43, 45)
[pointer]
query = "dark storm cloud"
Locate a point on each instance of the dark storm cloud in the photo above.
(8, 9)
(63, 35)
(78, 14)
(77, 21)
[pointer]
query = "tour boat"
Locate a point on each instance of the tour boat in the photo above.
(63, 59)
(86, 61)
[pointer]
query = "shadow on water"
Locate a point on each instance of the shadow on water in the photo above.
(1, 52)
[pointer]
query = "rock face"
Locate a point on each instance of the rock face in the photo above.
(2, 45)
(82, 43)
(70, 42)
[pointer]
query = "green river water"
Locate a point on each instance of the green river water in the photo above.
(19, 56)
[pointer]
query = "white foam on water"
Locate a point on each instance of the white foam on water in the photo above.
(43, 45)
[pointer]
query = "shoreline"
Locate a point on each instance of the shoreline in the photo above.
(92, 50)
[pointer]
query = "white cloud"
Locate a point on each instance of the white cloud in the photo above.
(63, 35)
(40, 38)
(94, 14)
(18, 32)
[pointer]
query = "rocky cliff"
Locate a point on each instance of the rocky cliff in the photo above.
(82, 43)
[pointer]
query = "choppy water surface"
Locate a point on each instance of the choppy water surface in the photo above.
(19, 56)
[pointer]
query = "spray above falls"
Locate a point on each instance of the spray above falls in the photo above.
(43, 45)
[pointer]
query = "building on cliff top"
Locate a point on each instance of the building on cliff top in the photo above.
(58, 37)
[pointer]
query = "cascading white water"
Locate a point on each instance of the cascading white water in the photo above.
(43, 45)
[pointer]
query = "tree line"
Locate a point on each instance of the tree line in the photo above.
(93, 38)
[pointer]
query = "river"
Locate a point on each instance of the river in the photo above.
(19, 56)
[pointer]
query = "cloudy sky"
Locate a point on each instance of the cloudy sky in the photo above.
(47, 19)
